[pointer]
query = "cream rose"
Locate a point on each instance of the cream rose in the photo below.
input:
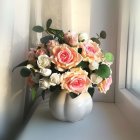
(95, 78)
(93, 65)
(75, 81)
(104, 86)
(45, 72)
(55, 79)
(29, 66)
(83, 37)
(71, 38)
(65, 57)
(107, 63)
(44, 83)
(43, 61)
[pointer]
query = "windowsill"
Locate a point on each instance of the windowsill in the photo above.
(104, 123)
(131, 96)
(129, 104)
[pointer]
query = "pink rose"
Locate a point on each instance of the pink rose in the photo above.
(31, 55)
(40, 51)
(51, 44)
(104, 86)
(71, 38)
(65, 57)
(75, 81)
(90, 50)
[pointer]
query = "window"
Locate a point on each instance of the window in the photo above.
(133, 60)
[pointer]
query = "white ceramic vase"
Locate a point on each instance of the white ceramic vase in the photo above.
(64, 108)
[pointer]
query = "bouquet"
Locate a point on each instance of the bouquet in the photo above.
(67, 61)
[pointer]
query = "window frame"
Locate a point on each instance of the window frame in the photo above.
(127, 102)
(130, 54)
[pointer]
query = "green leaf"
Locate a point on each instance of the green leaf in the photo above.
(109, 57)
(83, 64)
(43, 94)
(55, 89)
(33, 93)
(33, 71)
(91, 91)
(21, 64)
(103, 34)
(49, 22)
(38, 29)
(25, 72)
(56, 32)
(96, 40)
(80, 50)
(73, 95)
(46, 39)
(103, 71)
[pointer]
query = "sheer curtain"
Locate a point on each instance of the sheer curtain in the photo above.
(17, 19)
(14, 34)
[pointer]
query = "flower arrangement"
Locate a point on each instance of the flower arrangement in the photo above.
(67, 61)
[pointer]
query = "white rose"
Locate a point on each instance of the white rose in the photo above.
(95, 78)
(29, 66)
(44, 83)
(43, 61)
(55, 79)
(107, 63)
(83, 37)
(94, 65)
(45, 72)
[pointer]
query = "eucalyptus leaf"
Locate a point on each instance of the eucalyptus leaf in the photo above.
(49, 22)
(55, 89)
(24, 63)
(96, 40)
(80, 50)
(56, 32)
(109, 57)
(73, 95)
(46, 39)
(38, 29)
(103, 34)
(83, 64)
(43, 94)
(25, 72)
(33, 71)
(103, 71)
(91, 91)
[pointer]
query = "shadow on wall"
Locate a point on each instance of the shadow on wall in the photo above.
(104, 16)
